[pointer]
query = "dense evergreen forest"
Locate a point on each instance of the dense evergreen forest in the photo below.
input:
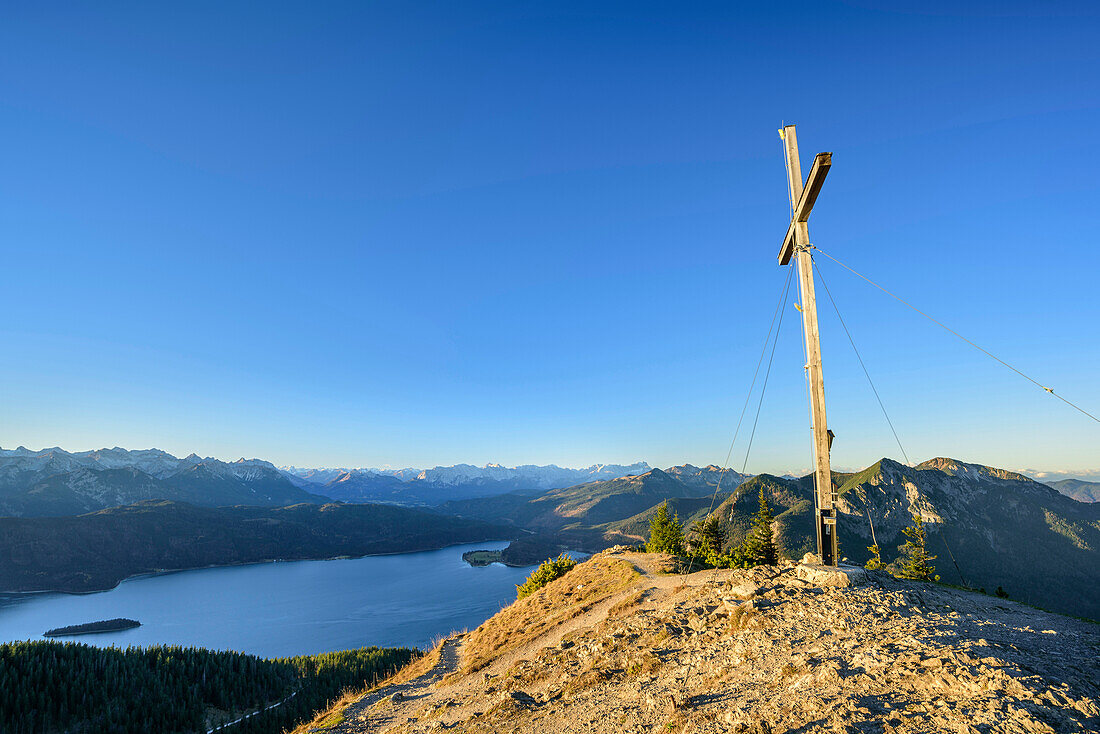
(48, 686)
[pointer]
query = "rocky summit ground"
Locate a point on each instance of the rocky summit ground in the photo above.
(621, 645)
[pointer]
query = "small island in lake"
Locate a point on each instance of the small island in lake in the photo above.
(522, 552)
(91, 628)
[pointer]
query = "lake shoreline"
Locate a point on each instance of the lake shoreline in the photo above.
(285, 609)
(532, 550)
(169, 571)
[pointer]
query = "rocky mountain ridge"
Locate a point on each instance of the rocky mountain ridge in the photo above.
(153, 462)
(448, 483)
(530, 476)
(55, 482)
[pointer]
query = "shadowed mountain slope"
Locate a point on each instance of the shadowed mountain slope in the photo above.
(584, 506)
(998, 527)
(1001, 528)
(97, 550)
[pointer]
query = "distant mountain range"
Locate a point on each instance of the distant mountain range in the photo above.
(54, 482)
(57, 482)
(447, 483)
(1078, 489)
(527, 476)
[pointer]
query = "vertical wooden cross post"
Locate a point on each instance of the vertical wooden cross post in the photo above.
(797, 244)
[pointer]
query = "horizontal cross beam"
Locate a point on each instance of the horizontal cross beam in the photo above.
(805, 205)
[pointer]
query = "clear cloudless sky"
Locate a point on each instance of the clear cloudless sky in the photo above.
(410, 234)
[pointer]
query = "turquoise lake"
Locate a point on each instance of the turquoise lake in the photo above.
(286, 608)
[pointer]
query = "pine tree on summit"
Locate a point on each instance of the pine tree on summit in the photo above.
(874, 563)
(708, 536)
(666, 534)
(916, 564)
(759, 547)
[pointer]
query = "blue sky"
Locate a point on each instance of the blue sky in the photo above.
(425, 233)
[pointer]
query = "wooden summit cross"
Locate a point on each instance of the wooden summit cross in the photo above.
(797, 244)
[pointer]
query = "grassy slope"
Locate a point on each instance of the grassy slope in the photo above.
(552, 605)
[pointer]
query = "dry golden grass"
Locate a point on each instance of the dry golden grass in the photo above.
(627, 603)
(418, 667)
(334, 715)
(665, 565)
(439, 709)
(655, 636)
(555, 604)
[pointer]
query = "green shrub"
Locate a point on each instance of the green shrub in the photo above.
(738, 557)
(874, 563)
(549, 570)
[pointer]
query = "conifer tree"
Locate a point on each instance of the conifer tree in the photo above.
(708, 536)
(759, 547)
(666, 534)
(875, 562)
(916, 564)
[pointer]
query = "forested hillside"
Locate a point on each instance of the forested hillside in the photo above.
(54, 686)
(95, 551)
(1078, 489)
(582, 506)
